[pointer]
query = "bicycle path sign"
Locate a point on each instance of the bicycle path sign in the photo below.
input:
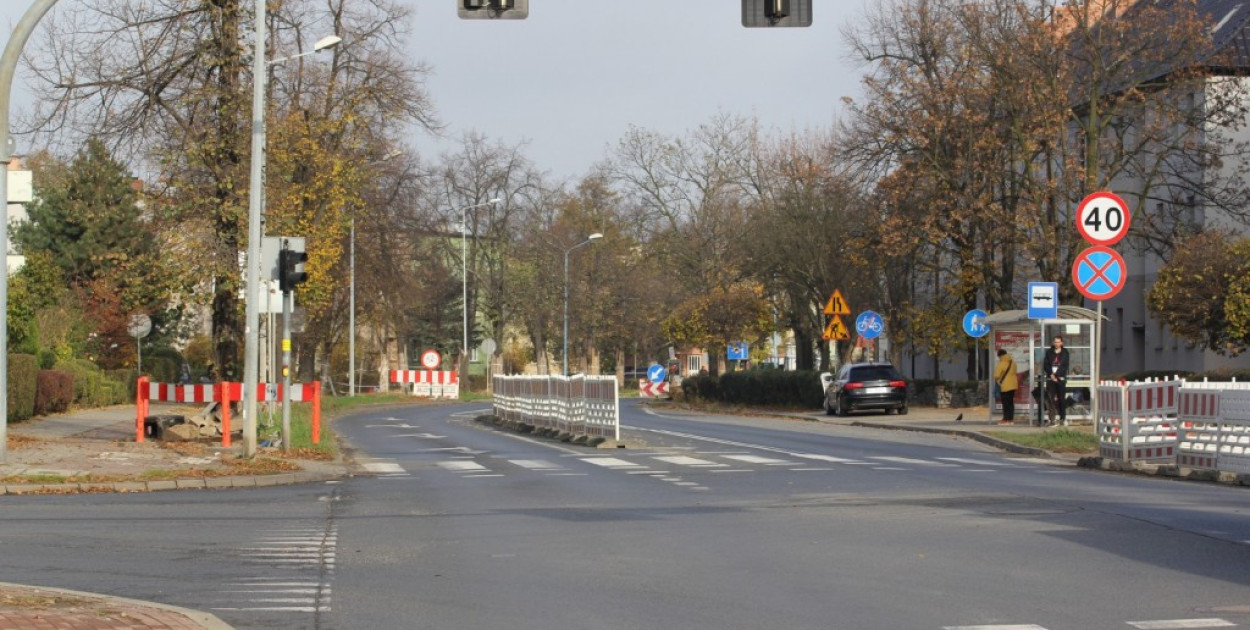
(869, 324)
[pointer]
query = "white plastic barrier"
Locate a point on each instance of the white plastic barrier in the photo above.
(1137, 421)
(1215, 427)
(585, 405)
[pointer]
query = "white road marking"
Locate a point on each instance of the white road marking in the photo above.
(428, 436)
(913, 461)
(610, 462)
(382, 467)
(729, 470)
(889, 468)
(682, 460)
(1171, 624)
(826, 458)
(1024, 627)
(536, 464)
(809, 469)
(755, 459)
(461, 466)
(978, 462)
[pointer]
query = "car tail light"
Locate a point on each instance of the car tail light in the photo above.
(898, 383)
(853, 386)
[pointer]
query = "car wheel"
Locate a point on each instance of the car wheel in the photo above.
(837, 407)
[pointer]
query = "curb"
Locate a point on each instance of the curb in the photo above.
(206, 620)
(181, 483)
(1010, 447)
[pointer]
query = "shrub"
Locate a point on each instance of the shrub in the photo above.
(766, 387)
(23, 375)
(92, 388)
(54, 391)
(47, 359)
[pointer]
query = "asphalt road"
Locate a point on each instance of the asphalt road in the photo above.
(717, 523)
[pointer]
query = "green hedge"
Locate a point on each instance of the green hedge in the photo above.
(92, 387)
(23, 378)
(768, 388)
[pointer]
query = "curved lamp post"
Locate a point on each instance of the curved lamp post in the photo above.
(464, 264)
(590, 239)
(8, 67)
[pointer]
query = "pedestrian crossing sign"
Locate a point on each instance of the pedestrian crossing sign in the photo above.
(836, 330)
(837, 304)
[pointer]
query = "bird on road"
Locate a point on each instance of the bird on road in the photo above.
(959, 418)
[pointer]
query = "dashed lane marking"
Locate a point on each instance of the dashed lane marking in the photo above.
(1178, 624)
(461, 466)
(1000, 627)
(914, 461)
(977, 462)
(755, 459)
(382, 467)
(536, 464)
(610, 462)
(682, 460)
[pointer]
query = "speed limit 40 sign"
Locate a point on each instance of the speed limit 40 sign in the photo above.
(1103, 218)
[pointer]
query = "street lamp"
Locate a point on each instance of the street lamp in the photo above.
(590, 239)
(351, 313)
(251, 347)
(8, 67)
(464, 264)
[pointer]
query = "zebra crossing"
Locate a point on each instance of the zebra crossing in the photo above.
(665, 464)
(292, 570)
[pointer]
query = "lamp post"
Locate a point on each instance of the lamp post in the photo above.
(590, 239)
(251, 346)
(464, 264)
(351, 313)
(8, 67)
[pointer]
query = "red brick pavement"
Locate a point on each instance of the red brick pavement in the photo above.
(35, 608)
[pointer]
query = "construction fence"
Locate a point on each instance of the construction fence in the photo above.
(1198, 424)
(580, 405)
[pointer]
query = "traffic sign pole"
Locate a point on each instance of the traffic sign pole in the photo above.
(1103, 220)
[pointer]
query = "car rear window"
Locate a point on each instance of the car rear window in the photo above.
(875, 373)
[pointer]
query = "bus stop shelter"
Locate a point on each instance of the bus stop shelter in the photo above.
(1027, 340)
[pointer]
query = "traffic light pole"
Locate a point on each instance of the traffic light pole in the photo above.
(286, 371)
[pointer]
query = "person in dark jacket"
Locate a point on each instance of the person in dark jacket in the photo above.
(1055, 368)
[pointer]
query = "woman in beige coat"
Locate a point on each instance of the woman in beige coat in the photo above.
(1005, 377)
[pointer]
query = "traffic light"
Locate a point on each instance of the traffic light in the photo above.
(291, 269)
(768, 13)
(493, 9)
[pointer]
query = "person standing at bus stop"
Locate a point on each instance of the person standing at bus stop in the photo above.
(1055, 367)
(1005, 378)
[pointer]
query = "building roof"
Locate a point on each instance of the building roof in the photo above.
(1078, 313)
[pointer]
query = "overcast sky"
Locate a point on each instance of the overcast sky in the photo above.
(573, 77)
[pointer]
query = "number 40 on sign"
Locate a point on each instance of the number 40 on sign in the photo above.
(1103, 218)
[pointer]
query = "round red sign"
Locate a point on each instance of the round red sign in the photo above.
(430, 359)
(1103, 218)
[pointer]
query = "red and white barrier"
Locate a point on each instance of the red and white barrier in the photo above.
(430, 383)
(1137, 421)
(647, 389)
(224, 393)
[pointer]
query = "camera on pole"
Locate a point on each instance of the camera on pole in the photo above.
(493, 9)
(770, 13)
(291, 268)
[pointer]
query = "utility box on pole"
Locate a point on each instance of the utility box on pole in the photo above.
(493, 9)
(770, 13)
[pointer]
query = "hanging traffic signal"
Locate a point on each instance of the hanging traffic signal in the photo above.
(291, 269)
(493, 9)
(768, 13)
